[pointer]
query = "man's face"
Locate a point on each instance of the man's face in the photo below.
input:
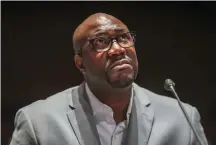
(117, 67)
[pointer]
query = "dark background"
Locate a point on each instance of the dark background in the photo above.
(174, 40)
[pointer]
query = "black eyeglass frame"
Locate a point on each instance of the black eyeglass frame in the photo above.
(90, 40)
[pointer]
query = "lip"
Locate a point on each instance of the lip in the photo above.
(119, 62)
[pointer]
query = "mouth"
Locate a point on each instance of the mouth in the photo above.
(120, 64)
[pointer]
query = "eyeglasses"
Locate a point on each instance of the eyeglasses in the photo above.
(102, 44)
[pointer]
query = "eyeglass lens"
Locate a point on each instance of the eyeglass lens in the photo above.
(125, 40)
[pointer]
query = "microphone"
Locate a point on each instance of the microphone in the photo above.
(169, 86)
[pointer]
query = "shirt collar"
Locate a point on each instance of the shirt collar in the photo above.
(99, 107)
(96, 104)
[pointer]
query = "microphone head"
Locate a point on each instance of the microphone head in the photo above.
(167, 84)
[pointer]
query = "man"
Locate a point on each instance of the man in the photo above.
(107, 108)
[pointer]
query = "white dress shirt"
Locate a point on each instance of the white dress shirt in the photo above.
(109, 132)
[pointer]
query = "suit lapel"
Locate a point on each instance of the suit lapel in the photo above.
(81, 118)
(141, 118)
(83, 123)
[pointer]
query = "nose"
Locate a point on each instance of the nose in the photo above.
(116, 49)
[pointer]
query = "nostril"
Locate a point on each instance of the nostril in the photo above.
(116, 49)
(117, 52)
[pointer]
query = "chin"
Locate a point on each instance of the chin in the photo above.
(121, 83)
(122, 80)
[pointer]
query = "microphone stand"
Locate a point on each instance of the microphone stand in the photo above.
(169, 86)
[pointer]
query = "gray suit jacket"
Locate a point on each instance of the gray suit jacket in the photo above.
(66, 119)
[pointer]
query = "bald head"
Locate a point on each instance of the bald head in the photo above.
(94, 23)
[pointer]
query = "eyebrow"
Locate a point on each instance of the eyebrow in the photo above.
(105, 32)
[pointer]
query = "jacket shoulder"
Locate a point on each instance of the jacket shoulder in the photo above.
(163, 103)
(55, 103)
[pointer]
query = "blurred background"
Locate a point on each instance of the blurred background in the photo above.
(174, 40)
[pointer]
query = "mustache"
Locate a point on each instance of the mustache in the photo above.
(123, 60)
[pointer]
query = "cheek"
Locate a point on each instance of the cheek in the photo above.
(132, 51)
(133, 56)
(96, 61)
(98, 56)
(99, 59)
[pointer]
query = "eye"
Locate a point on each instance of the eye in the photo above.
(100, 41)
(124, 37)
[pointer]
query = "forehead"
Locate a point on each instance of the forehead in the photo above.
(103, 20)
(108, 26)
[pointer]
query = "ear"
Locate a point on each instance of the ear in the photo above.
(79, 63)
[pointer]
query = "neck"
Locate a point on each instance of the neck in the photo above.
(118, 99)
